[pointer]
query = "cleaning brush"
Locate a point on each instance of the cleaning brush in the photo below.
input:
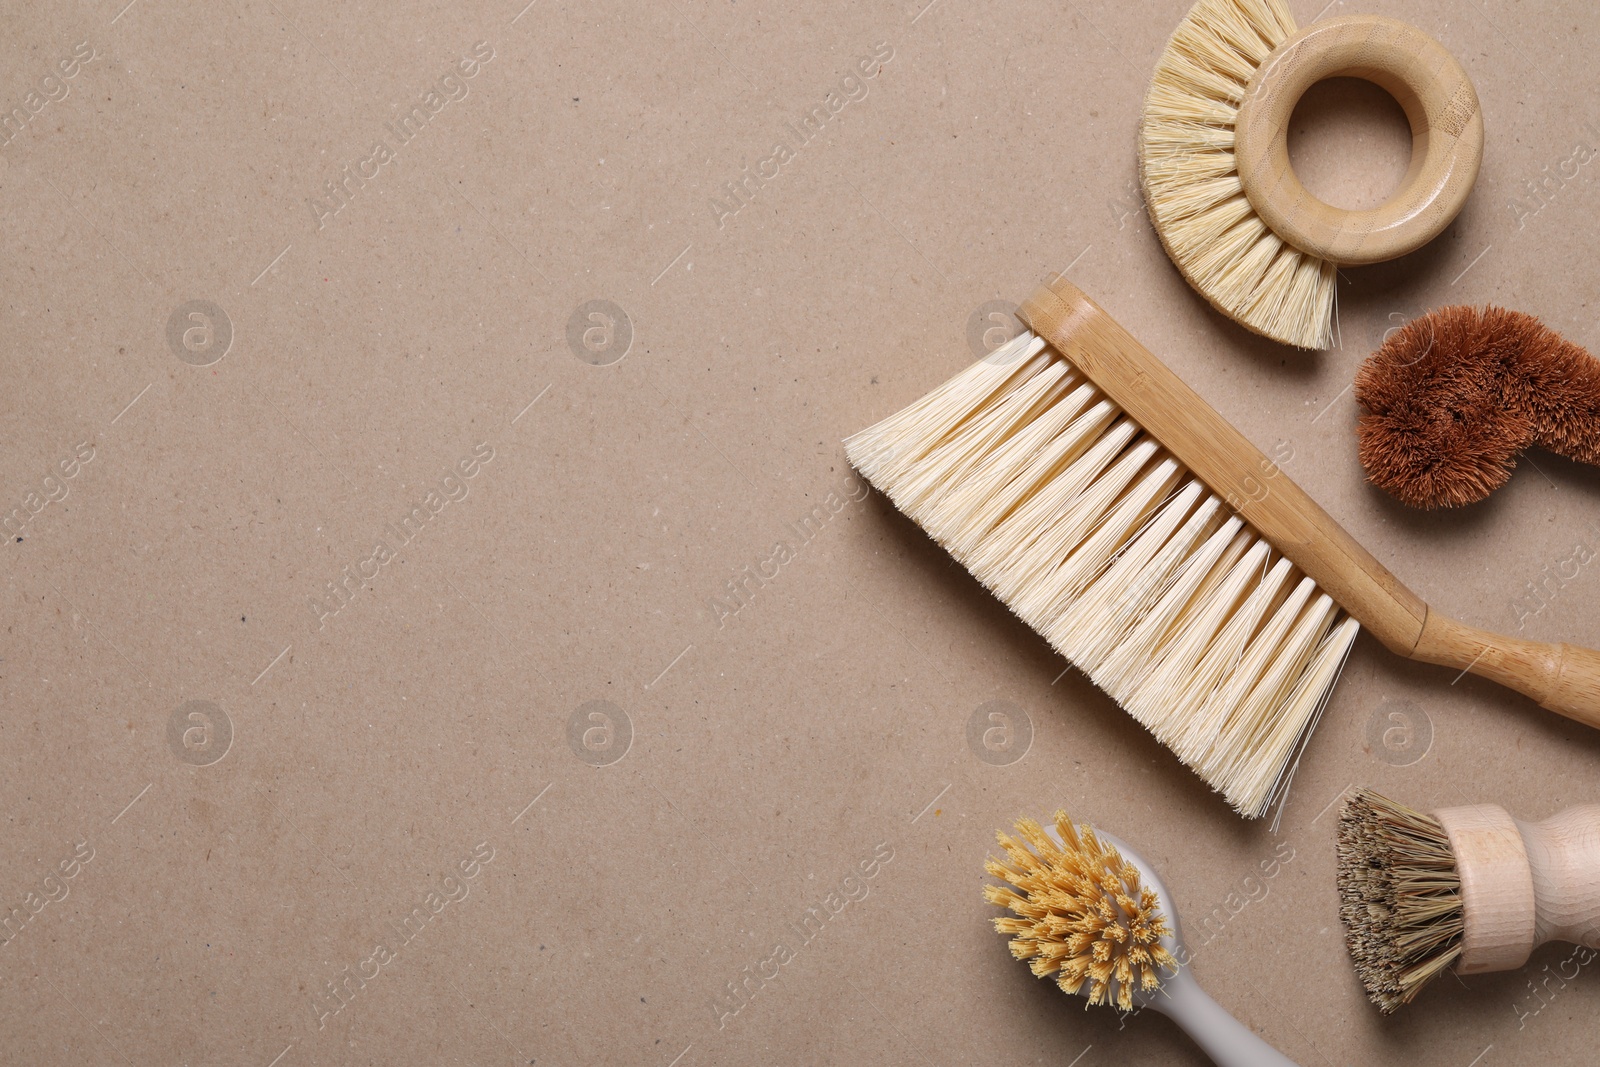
(1466, 887)
(1455, 396)
(1125, 520)
(1088, 911)
(1214, 158)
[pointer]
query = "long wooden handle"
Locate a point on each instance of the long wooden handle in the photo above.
(1446, 137)
(1563, 678)
(1522, 883)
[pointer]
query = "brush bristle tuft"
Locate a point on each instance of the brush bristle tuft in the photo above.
(1100, 540)
(1191, 183)
(1399, 897)
(1080, 911)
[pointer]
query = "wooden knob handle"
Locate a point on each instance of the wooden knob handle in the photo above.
(1446, 138)
(1564, 855)
(1523, 884)
(1563, 678)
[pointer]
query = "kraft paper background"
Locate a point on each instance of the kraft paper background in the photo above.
(441, 625)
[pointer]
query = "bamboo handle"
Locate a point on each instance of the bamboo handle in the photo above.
(1563, 678)
(1523, 884)
(1446, 138)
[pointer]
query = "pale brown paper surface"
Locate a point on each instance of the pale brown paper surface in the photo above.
(301, 760)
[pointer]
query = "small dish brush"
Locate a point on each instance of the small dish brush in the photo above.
(1089, 912)
(1120, 516)
(1453, 397)
(1468, 888)
(1214, 158)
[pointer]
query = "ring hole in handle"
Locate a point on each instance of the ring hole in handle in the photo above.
(1440, 106)
(1349, 143)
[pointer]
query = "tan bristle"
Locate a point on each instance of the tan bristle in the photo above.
(1130, 567)
(1399, 897)
(1080, 912)
(1192, 187)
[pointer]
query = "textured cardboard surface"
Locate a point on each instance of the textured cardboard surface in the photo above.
(376, 673)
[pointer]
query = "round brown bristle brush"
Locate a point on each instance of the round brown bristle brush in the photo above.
(1087, 911)
(1455, 396)
(1214, 158)
(1467, 887)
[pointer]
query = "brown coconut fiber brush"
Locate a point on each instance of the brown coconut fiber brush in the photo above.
(1121, 517)
(1454, 397)
(1466, 888)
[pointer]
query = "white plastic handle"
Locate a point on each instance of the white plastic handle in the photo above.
(1229, 1042)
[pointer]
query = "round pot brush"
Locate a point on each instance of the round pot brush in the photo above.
(1087, 911)
(1214, 158)
(1455, 396)
(1469, 888)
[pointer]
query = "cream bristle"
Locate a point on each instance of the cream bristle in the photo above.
(1052, 516)
(1251, 724)
(1399, 897)
(1128, 565)
(1106, 612)
(1049, 598)
(978, 439)
(1190, 684)
(1235, 659)
(989, 503)
(950, 404)
(1191, 182)
(1081, 913)
(1132, 656)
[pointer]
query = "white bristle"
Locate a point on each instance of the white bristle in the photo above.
(1026, 548)
(983, 433)
(1191, 183)
(1103, 542)
(948, 406)
(1106, 614)
(995, 473)
(1133, 654)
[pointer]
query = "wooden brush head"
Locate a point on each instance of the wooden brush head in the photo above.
(1080, 912)
(1399, 897)
(1455, 396)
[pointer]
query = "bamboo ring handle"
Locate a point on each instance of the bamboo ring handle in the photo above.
(1446, 138)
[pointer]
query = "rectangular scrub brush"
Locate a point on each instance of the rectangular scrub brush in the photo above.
(1150, 543)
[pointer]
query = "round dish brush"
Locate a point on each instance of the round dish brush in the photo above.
(1468, 887)
(1087, 912)
(1455, 396)
(1214, 158)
